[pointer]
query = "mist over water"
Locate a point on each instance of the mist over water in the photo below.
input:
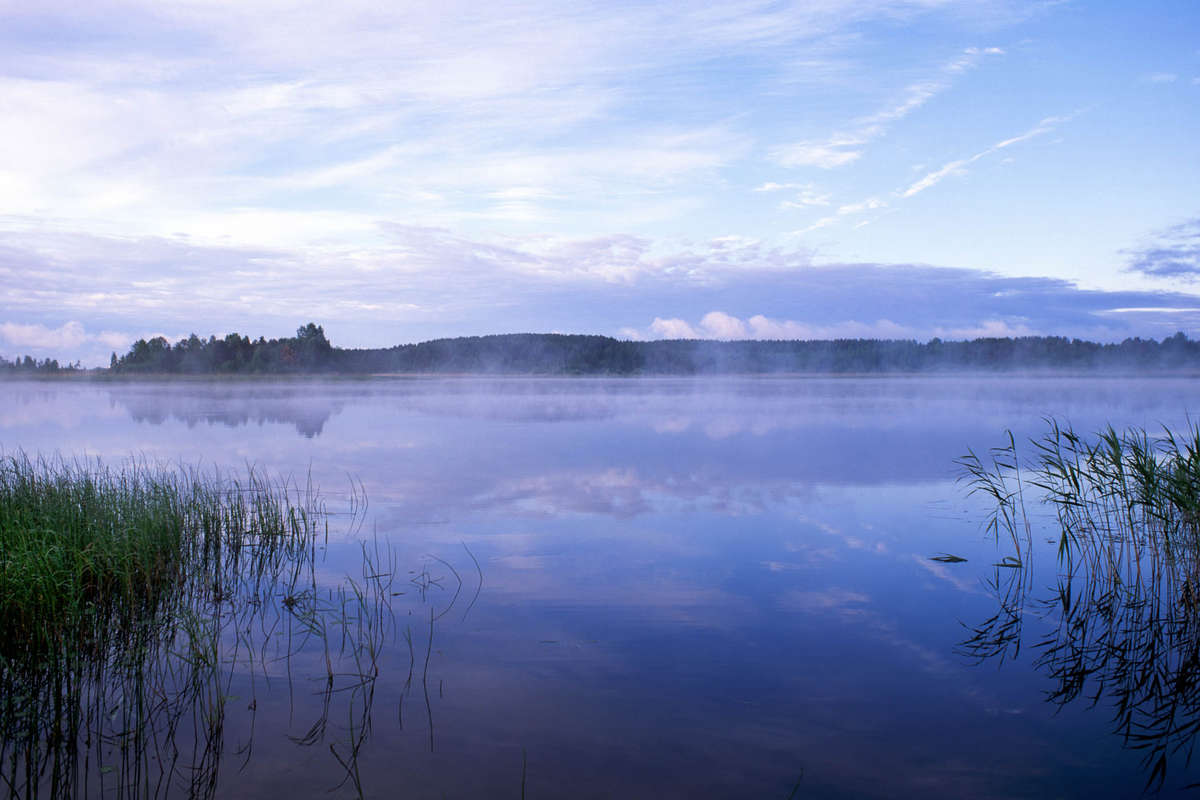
(690, 588)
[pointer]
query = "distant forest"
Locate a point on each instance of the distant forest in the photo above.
(556, 354)
(31, 366)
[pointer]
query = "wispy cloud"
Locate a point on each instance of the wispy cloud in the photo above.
(337, 117)
(932, 178)
(1173, 253)
(846, 147)
(870, 204)
(845, 210)
(405, 171)
(958, 167)
(808, 197)
(837, 151)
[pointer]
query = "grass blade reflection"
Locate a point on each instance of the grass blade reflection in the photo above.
(1125, 613)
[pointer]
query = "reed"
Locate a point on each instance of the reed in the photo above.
(88, 553)
(1117, 495)
(1124, 611)
(143, 611)
(131, 600)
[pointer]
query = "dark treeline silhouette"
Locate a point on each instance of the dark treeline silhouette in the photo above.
(31, 366)
(556, 354)
(307, 351)
(518, 353)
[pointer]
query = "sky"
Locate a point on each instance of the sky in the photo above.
(401, 171)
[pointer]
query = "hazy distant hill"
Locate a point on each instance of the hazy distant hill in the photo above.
(556, 354)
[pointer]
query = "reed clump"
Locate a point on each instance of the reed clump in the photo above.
(1121, 621)
(1118, 495)
(87, 552)
(128, 601)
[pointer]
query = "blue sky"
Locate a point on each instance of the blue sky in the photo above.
(402, 171)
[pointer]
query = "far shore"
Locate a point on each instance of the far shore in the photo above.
(105, 376)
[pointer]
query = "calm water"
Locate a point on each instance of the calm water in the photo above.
(684, 588)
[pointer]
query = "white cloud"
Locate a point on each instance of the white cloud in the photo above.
(719, 325)
(175, 117)
(870, 204)
(1162, 77)
(723, 326)
(826, 155)
(990, 328)
(68, 338)
(807, 196)
(762, 327)
(823, 222)
(846, 147)
(848, 209)
(671, 329)
(429, 283)
(936, 177)
(65, 337)
(354, 113)
(958, 167)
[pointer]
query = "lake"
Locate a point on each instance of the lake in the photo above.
(654, 588)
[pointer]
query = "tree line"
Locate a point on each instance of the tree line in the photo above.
(31, 366)
(309, 351)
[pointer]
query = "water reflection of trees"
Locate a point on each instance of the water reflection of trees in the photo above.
(1124, 608)
(232, 407)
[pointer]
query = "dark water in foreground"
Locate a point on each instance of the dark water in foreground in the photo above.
(684, 589)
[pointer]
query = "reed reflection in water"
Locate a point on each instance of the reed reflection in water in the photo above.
(161, 660)
(1123, 611)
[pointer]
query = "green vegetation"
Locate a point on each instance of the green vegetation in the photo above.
(86, 553)
(307, 351)
(136, 605)
(1121, 624)
(554, 354)
(1117, 497)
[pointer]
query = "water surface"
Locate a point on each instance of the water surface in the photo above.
(708, 588)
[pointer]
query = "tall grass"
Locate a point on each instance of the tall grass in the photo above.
(1125, 604)
(87, 553)
(132, 600)
(1116, 494)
